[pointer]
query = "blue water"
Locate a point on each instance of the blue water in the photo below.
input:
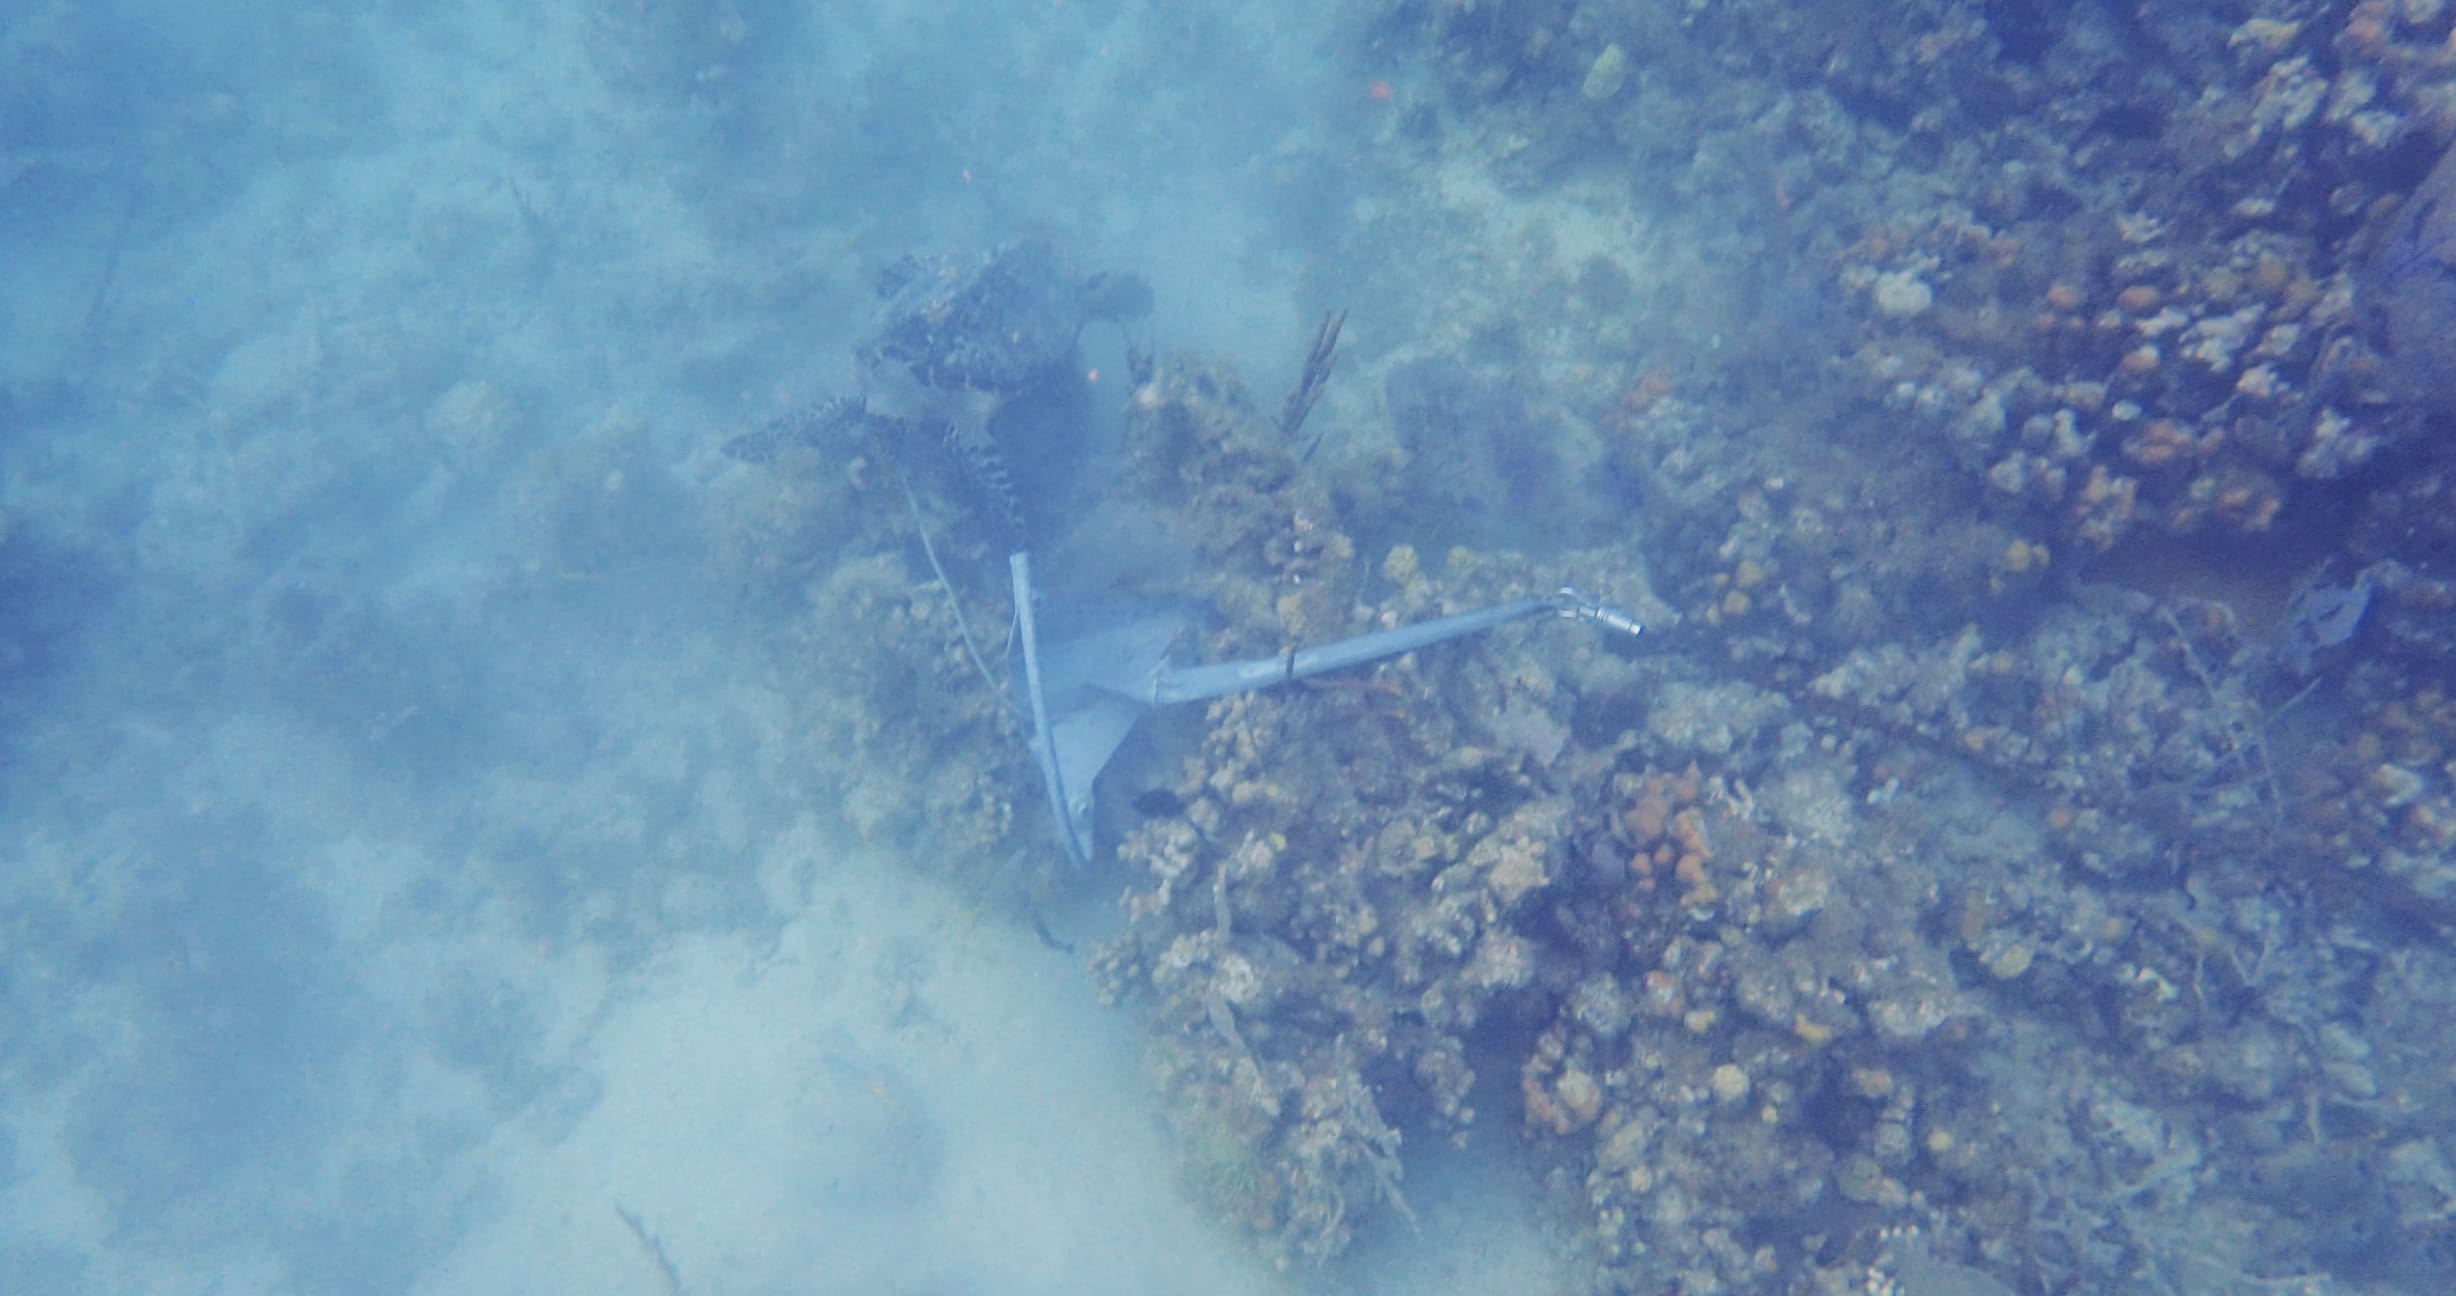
(466, 832)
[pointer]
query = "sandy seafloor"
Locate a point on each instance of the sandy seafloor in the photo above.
(405, 875)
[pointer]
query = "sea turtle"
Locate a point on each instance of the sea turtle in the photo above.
(957, 340)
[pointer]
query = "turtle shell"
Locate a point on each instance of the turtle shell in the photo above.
(990, 324)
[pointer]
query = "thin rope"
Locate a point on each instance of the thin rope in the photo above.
(945, 586)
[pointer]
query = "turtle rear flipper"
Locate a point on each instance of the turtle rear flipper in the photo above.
(968, 439)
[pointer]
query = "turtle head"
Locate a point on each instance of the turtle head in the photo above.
(1115, 296)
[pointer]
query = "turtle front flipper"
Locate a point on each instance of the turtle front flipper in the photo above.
(839, 421)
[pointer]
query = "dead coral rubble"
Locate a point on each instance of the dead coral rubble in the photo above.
(2107, 884)
(1876, 896)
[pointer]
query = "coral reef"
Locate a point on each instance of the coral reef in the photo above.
(1776, 960)
(1773, 938)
